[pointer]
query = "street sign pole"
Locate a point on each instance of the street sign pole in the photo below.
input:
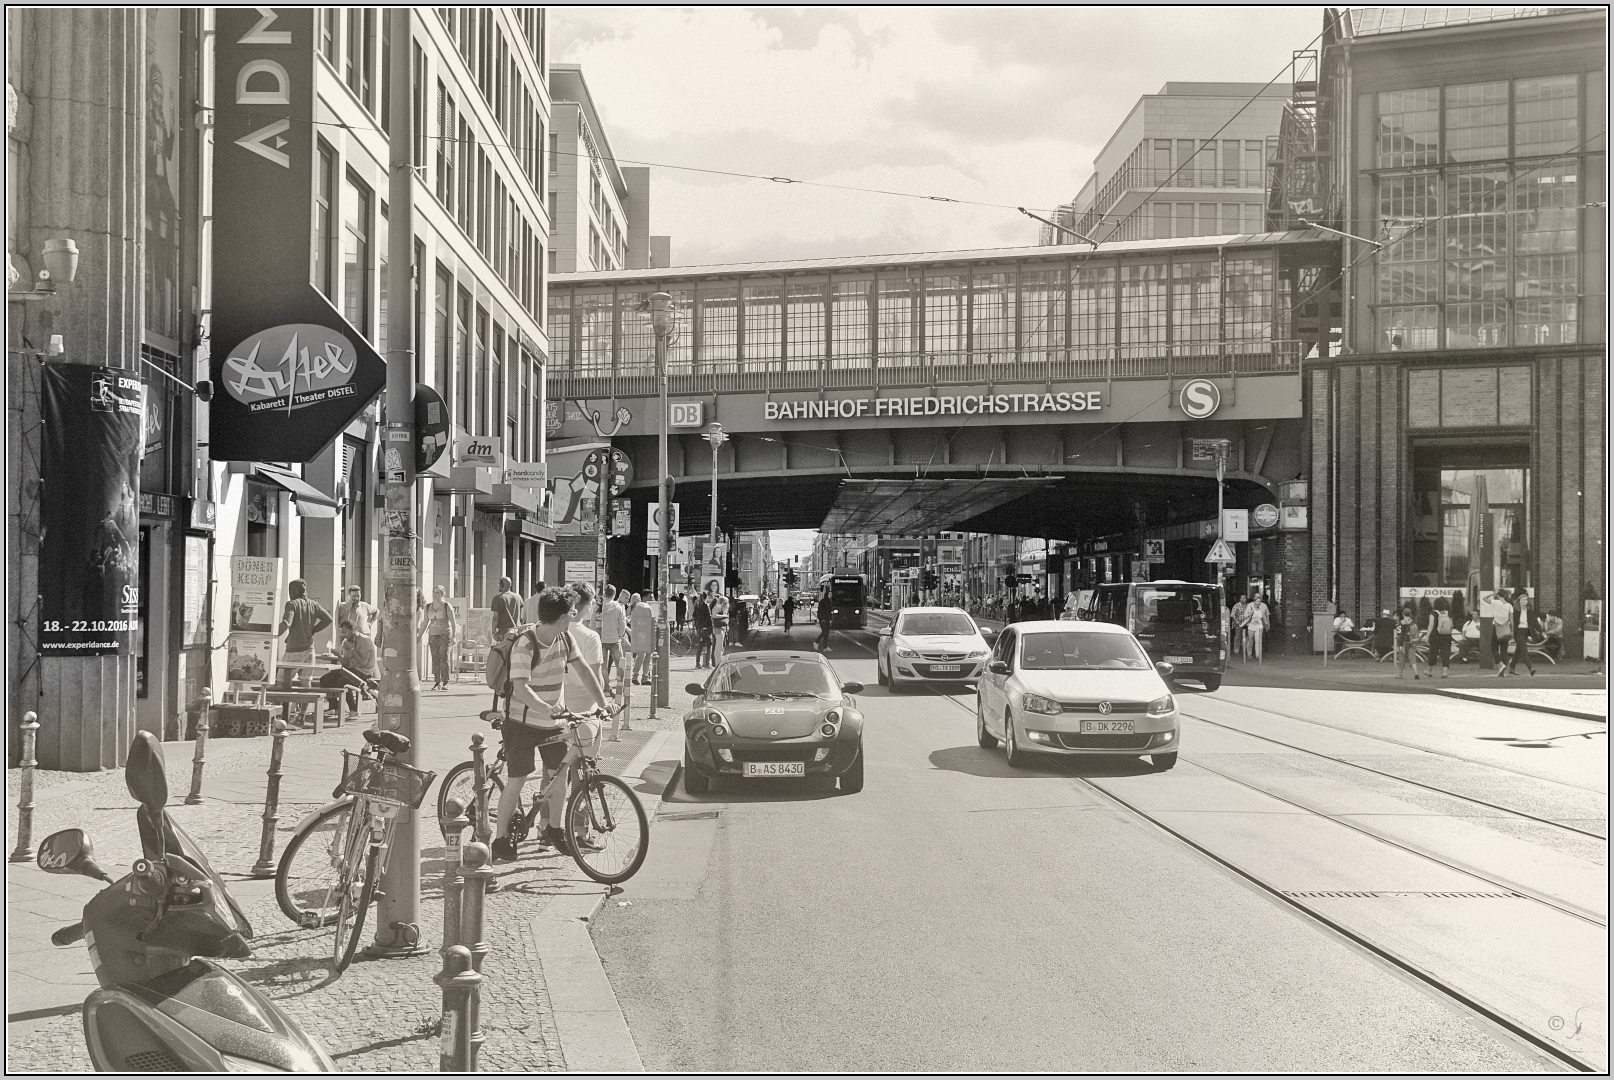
(1221, 524)
(661, 324)
(397, 922)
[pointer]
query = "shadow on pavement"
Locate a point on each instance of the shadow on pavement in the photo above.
(990, 763)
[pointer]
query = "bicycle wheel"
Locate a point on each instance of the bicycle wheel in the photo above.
(607, 826)
(309, 876)
(682, 642)
(460, 784)
(350, 914)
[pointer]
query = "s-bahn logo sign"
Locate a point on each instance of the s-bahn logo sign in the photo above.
(290, 367)
(960, 405)
(1200, 399)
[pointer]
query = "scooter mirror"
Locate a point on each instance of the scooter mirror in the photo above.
(69, 852)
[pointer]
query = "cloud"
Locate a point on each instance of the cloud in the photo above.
(572, 36)
(764, 152)
(802, 29)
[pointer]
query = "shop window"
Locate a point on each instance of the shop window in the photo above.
(1469, 518)
(263, 521)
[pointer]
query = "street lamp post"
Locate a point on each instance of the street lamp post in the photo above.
(717, 437)
(661, 321)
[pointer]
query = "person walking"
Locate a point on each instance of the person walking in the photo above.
(1406, 640)
(642, 631)
(680, 606)
(302, 619)
(506, 610)
(1501, 629)
(1525, 627)
(1439, 633)
(442, 624)
(529, 606)
(1258, 617)
(789, 608)
(354, 616)
(718, 605)
(823, 621)
(1241, 623)
(613, 629)
(589, 649)
(701, 619)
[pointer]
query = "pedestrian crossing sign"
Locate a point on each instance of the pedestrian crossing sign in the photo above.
(1221, 552)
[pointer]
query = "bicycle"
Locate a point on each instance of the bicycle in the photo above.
(605, 822)
(683, 641)
(327, 875)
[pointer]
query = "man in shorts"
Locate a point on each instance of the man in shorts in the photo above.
(613, 632)
(539, 662)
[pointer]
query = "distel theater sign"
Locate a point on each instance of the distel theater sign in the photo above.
(292, 371)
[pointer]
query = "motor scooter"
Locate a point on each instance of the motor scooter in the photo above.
(159, 1008)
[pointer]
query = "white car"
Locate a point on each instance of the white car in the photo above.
(1075, 688)
(931, 645)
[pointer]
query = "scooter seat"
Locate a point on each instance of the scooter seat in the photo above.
(390, 741)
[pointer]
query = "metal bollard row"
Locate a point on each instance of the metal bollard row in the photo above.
(482, 812)
(204, 723)
(461, 1034)
(453, 887)
(265, 866)
(25, 800)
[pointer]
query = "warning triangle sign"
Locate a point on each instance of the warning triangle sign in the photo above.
(1221, 552)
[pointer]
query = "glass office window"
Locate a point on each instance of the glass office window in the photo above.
(1042, 313)
(1162, 219)
(1546, 280)
(1252, 220)
(592, 312)
(1143, 303)
(1255, 164)
(481, 388)
(849, 321)
(462, 357)
(764, 325)
(681, 344)
(443, 340)
(1497, 560)
(381, 282)
(1210, 220)
(804, 324)
(324, 235)
(1409, 128)
(496, 388)
(560, 327)
(1476, 249)
(1092, 307)
(946, 303)
(896, 342)
(1477, 122)
(1196, 302)
(1185, 220)
(1232, 155)
(992, 311)
(1186, 174)
(719, 328)
(1230, 219)
(1545, 115)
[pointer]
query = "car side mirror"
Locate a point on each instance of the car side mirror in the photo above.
(852, 688)
(1165, 669)
(69, 852)
(987, 631)
(694, 689)
(886, 632)
(998, 667)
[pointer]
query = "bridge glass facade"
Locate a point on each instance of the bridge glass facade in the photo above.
(1146, 309)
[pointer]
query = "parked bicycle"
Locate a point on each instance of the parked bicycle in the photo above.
(327, 875)
(603, 819)
(683, 641)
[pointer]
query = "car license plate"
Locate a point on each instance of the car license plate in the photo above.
(778, 768)
(1179, 659)
(1107, 727)
(939, 668)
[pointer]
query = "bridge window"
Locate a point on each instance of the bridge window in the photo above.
(1092, 311)
(719, 329)
(897, 342)
(1042, 314)
(593, 311)
(1248, 308)
(1196, 298)
(681, 346)
(764, 325)
(804, 324)
(992, 316)
(849, 321)
(1143, 304)
(1409, 128)
(638, 354)
(946, 301)
(560, 326)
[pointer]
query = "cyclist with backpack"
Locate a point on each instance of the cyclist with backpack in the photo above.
(1440, 631)
(528, 669)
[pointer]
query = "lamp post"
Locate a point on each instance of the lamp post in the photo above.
(717, 437)
(661, 321)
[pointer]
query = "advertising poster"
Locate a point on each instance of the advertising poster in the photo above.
(254, 594)
(89, 509)
(251, 658)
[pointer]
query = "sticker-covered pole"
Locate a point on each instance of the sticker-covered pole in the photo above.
(397, 924)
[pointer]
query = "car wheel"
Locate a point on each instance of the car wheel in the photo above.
(852, 779)
(879, 673)
(1162, 762)
(1016, 757)
(983, 736)
(695, 782)
(1212, 682)
(896, 687)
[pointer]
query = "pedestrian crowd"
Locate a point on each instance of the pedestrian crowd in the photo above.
(1435, 631)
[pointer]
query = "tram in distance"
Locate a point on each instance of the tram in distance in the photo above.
(846, 599)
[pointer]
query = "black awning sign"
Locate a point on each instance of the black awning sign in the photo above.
(291, 367)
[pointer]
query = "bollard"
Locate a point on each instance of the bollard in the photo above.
(203, 723)
(265, 866)
(475, 871)
(25, 803)
(453, 886)
(461, 1031)
(479, 812)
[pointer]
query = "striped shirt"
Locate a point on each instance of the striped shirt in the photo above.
(547, 677)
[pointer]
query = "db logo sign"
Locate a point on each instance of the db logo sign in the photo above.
(1200, 399)
(685, 414)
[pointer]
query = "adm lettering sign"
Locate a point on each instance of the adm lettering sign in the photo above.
(293, 372)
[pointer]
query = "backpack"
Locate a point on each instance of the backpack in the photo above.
(497, 668)
(1442, 622)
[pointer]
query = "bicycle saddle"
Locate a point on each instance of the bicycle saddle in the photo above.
(390, 741)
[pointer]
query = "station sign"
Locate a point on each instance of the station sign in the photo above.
(933, 405)
(686, 414)
(1200, 399)
(1264, 516)
(1235, 524)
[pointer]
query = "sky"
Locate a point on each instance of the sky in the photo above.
(1004, 106)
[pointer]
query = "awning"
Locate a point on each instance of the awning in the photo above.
(311, 501)
(920, 507)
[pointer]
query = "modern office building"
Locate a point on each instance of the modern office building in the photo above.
(600, 210)
(1458, 438)
(1188, 161)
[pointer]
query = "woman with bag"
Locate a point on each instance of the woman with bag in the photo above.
(1439, 634)
(442, 624)
(1406, 632)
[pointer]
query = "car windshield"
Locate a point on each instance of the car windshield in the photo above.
(772, 678)
(1177, 608)
(936, 624)
(1078, 650)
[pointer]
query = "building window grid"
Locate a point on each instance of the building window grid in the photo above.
(1143, 304)
(324, 232)
(361, 54)
(1093, 310)
(896, 340)
(481, 387)
(805, 324)
(719, 326)
(764, 327)
(849, 321)
(1042, 314)
(1196, 304)
(946, 321)
(462, 357)
(993, 309)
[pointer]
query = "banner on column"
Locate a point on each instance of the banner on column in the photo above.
(89, 511)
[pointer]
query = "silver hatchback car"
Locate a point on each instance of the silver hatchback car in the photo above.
(1075, 688)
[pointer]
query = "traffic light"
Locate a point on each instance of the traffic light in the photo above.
(1011, 580)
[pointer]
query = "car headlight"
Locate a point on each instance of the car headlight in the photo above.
(714, 716)
(1160, 706)
(833, 716)
(906, 652)
(975, 654)
(1033, 703)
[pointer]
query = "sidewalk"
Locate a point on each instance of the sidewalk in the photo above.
(379, 1016)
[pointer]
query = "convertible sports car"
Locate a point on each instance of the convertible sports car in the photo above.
(773, 714)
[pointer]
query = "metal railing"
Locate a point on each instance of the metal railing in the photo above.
(1255, 357)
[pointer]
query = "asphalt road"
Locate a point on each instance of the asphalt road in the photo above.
(959, 915)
